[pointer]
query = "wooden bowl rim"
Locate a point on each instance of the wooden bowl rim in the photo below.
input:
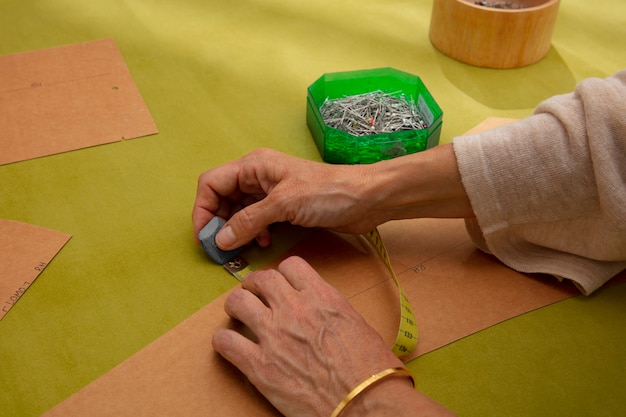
(471, 4)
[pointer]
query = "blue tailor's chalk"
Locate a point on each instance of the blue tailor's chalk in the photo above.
(207, 238)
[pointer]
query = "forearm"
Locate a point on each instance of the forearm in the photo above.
(548, 191)
(425, 184)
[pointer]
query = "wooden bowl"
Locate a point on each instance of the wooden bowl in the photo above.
(494, 37)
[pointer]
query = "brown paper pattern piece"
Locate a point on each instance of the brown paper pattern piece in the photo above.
(25, 251)
(66, 98)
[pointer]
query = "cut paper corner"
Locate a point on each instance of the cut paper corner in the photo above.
(67, 98)
(25, 252)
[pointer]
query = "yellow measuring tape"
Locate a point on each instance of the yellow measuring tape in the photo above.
(406, 339)
(239, 267)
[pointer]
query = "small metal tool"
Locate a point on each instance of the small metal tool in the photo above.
(231, 260)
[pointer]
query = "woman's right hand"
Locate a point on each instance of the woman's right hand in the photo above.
(266, 187)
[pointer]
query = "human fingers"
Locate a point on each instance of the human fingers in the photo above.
(234, 190)
(284, 188)
(302, 193)
(247, 224)
(243, 305)
(299, 273)
(216, 189)
(236, 348)
(306, 354)
(270, 286)
(223, 190)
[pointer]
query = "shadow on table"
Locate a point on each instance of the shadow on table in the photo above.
(508, 89)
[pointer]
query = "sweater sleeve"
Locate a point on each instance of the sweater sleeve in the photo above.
(549, 191)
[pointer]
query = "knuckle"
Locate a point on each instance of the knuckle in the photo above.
(291, 262)
(246, 220)
(204, 178)
(261, 152)
(265, 279)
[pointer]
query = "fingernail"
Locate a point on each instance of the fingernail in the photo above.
(226, 237)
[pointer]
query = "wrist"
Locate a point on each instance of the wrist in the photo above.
(355, 395)
(385, 398)
(424, 184)
(394, 397)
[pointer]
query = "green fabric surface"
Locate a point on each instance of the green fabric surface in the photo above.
(221, 79)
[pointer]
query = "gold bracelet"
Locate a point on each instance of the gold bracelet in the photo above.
(368, 383)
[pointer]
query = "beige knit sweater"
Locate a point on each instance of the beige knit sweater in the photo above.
(549, 191)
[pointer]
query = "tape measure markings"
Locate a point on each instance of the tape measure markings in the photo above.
(406, 339)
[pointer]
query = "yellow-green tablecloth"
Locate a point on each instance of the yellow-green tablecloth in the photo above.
(222, 78)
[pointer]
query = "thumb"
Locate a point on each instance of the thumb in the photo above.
(244, 226)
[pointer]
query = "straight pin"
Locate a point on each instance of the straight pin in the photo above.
(372, 113)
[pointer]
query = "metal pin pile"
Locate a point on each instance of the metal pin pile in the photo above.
(372, 113)
(499, 5)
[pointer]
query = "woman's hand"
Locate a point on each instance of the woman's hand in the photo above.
(266, 187)
(311, 346)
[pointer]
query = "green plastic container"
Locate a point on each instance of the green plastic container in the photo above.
(340, 147)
